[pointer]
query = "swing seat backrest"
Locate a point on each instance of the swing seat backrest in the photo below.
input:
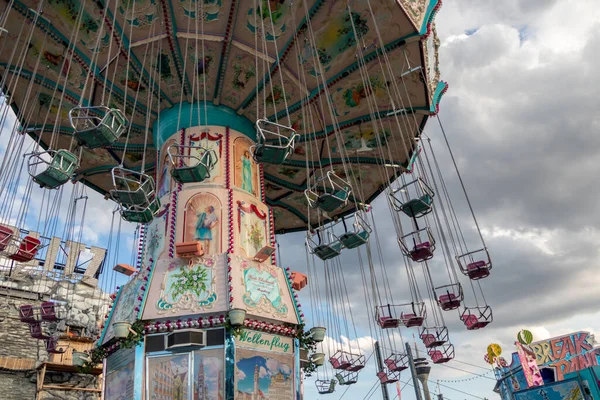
(421, 252)
(6, 235)
(51, 346)
(36, 332)
(27, 249)
(435, 355)
(265, 153)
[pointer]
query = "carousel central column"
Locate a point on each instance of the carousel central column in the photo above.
(213, 277)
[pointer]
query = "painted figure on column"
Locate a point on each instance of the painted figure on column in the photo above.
(202, 222)
(207, 220)
(247, 172)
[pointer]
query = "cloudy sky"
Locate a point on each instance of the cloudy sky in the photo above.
(522, 116)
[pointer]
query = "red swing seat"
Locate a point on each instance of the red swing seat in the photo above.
(27, 249)
(36, 332)
(397, 362)
(478, 270)
(386, 378)
(27, 314)
(51, 346)
(388, 322)
(6, 235)
(48, 311)
(438, 357)
(411, 320)
(449, 301)
(421, 252)
(339, 362)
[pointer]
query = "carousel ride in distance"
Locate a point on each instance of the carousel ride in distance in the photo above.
(216, 125)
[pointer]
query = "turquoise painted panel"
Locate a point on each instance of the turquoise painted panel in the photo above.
(173, 119)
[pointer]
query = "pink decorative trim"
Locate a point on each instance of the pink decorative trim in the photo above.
(168, 325)
(269, 327)
(230, 214)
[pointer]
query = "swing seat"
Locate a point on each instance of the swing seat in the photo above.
(196, 173)
(141, 215)
(339, 363)
(478, 270)
(27, 249)
(429, 340)
(472, 322)
(351, 240)
(269, 154)
(394, 365)
(97, 126)
(449, 301)
(6, 235)
(189, 249)
(48, 311)
(345, 380)
(385, 378)
(27, 314)
(417, 207)
(51, 346)
(421, 252)
(325, 387)
(329, 202)
(328, 251)
(58, 171)
(388, 322)
(411, 320)
(36, 332)
(136, 197)
(438, 357)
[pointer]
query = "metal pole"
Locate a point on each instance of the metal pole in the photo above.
(413, 372)
(384, 390)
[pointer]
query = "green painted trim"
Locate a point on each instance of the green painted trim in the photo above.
(166, 124)
(429, 14)
(110, 315)
(440, 90)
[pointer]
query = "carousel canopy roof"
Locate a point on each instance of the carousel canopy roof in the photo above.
(357, 108)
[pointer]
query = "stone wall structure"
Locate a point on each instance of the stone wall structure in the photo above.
(22, 358)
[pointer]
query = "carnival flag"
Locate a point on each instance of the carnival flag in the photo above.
(398, 390)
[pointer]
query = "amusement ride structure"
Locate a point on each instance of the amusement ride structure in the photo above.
(216, 125)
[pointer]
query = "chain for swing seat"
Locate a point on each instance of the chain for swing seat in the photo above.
(414, 199)
(98, 126)
(51, 169)
(195, 168)
(333, 196)
(275, 142)
(132, 187)
(325, 386)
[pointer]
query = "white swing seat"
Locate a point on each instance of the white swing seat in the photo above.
(97, 126)
(325, 386)
(141, 214)
(132, 187)
(57, 171)
(275, 142)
